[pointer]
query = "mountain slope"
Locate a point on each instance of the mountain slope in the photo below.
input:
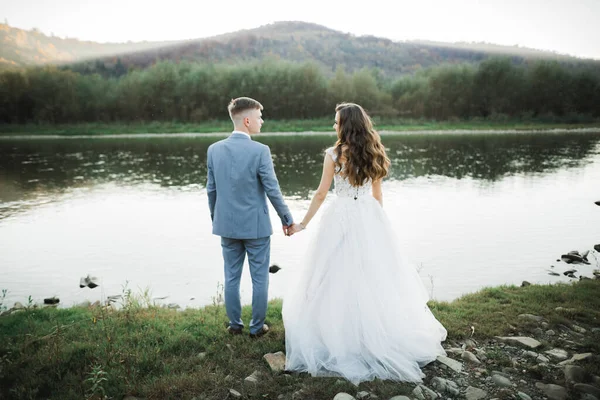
(292, 40)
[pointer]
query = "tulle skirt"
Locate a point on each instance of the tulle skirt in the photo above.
(358, 310)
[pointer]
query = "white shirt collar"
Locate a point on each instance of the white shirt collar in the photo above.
(243, 133)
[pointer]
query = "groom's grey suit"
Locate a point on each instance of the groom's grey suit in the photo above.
(240, 178)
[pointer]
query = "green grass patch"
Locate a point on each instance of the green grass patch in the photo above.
(155, 353)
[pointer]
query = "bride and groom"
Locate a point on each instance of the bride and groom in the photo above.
(358, 310)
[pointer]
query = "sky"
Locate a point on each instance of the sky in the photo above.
(564, 26)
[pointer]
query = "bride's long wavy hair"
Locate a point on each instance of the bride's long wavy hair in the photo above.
(359, 146)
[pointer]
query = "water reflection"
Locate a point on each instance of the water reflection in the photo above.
(34, 171)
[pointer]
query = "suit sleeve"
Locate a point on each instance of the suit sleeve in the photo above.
(211, 187)
(267, 176)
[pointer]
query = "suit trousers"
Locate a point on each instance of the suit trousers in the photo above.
(234, 254)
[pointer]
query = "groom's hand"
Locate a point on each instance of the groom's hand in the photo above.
(294, 228)
(285, 229)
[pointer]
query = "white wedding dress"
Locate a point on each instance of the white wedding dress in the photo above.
(358, 311)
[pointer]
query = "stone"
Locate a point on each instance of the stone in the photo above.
(542, 359)
(589, 389)
(400, 398)
(235, 394)
(453, 364)
(455, 350)
(89, 281)
(473, 393)
(501, 381)
(523, 396)
(276, 361)
(579, 329)
(587, 396)
(525, 283)
(552, 391)
(343, 396)
(558, 354)
(422, 392)
(531, 317)
(252, 380)
(444, 385)
(522, 340)
(470, 357)
(363, 395)
(201, 355)
(18, 306)
(574, 374)
(52, 300)
(550, 332)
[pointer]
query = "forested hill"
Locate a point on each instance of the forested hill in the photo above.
(20, 48)
(291, 41)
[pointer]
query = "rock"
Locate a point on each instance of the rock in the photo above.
(522, 340)
(400, 398)
(597, 203)
(501, 381)
(89, 281)
(587, 396)
(470, 357)
(553, 392)
(574, 374)
(444, 385)
(542, 359)
(252, 380)
(550, 332)
(597, 247)
(558, 353)
(18, 306)
(422, 392)
(274, 268)
(528, 353)
(276, 361)
(584, 388)
(523, 396)
(525, 283)
(343, 396)
(474, 393)
(553, 273)
(455, 350)
(52, 300)
(362, 395)
(469, 344)
(453, 364)
(531, 317)
(578, 329)
(235, 394)
(201, 355)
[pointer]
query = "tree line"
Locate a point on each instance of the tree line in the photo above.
(193, 92)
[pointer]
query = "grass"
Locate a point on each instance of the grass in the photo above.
(315, 125)
(156, 353)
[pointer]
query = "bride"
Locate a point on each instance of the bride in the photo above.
(358, 311)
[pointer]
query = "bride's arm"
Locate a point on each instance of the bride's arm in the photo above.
(322, 190)
(377, 192)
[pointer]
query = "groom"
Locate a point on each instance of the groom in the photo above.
(240, 174)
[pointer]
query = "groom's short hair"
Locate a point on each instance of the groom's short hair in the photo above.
(242, 104)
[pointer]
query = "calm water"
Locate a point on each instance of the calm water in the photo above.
(472, 210)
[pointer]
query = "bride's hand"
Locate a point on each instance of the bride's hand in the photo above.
(295, 228)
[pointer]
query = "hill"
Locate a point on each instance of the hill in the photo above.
(21, 48)
(289, 40)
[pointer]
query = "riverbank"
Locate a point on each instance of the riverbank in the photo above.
(156, 353)
(315, 125)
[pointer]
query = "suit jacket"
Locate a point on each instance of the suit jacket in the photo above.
(240, 178)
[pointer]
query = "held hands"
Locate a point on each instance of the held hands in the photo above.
(292, 229)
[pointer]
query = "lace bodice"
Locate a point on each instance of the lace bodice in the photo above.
(343, 188)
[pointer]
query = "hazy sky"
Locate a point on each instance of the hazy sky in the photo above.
(565, 26)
